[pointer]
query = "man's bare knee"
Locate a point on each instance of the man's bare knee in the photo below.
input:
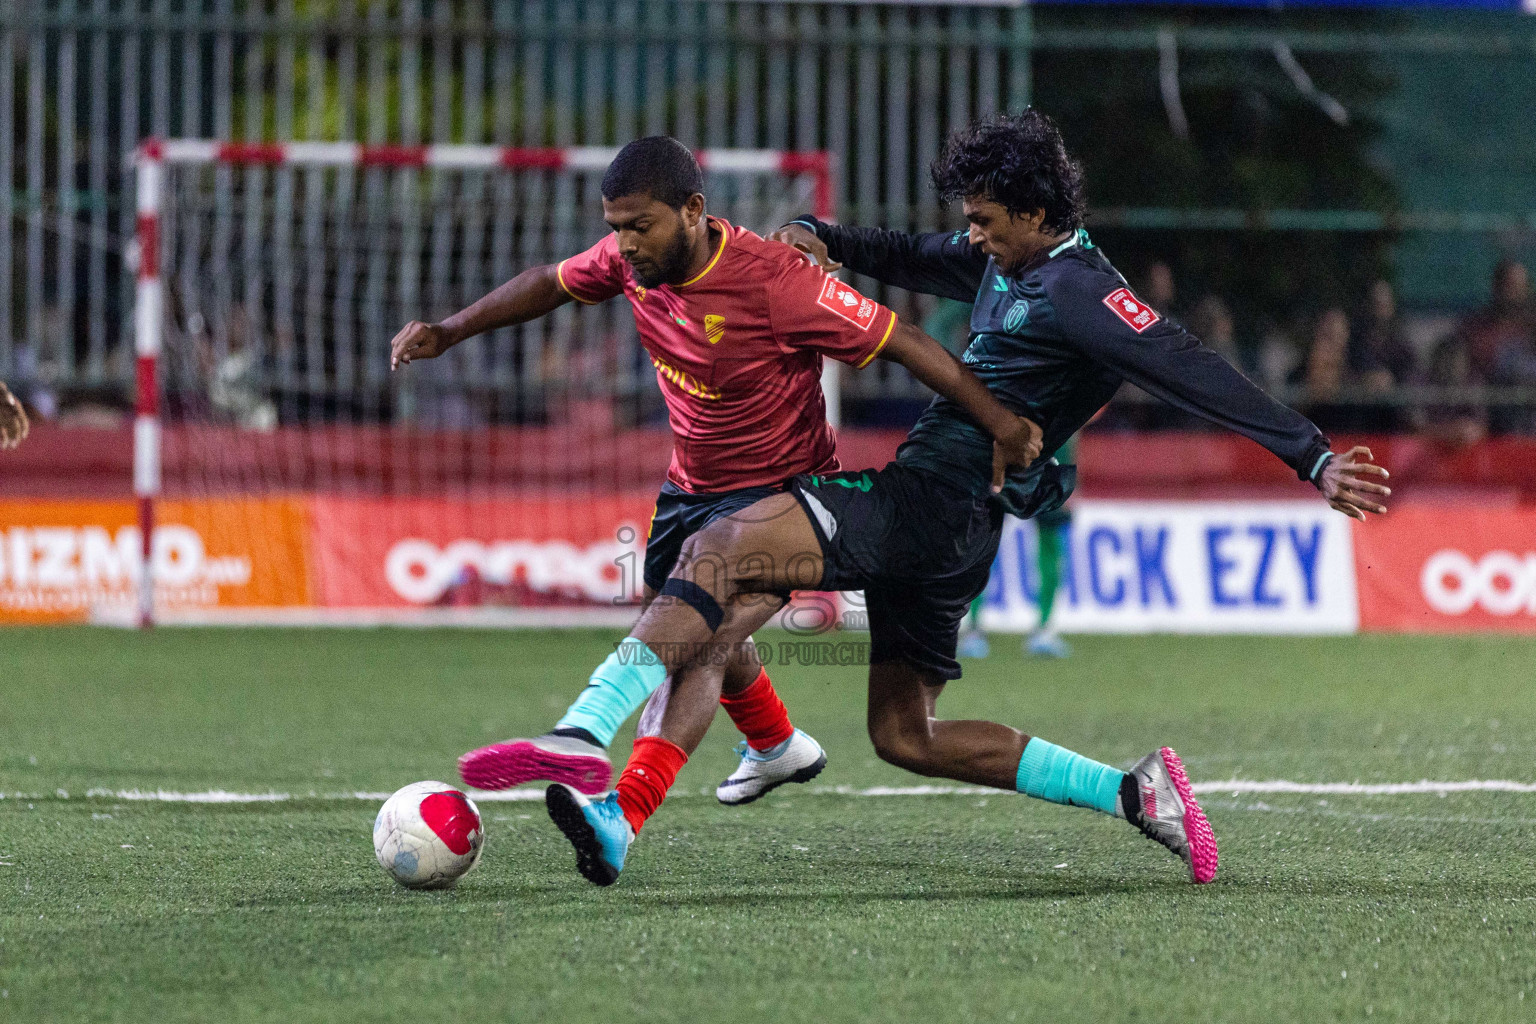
(901, 743)
(901, 700)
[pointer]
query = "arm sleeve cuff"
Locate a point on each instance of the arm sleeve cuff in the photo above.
(808, 221)
(824, 232)
(1312, 460)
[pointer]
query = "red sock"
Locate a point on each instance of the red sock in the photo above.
(652, 768)
(759, 714)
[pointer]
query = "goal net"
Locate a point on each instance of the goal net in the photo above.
(291, 474)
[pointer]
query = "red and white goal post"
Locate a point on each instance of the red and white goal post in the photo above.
(271, 278)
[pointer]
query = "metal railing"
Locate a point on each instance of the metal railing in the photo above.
(83, 81)
(879, 85)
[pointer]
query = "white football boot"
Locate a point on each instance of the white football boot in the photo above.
(797, 759)
(1156, 797)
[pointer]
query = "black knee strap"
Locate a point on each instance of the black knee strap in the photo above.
(697, 598)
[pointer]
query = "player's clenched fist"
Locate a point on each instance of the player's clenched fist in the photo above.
(13, 419)
(1019, 447)
(417, 340)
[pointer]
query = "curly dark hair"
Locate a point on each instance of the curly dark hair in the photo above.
(1017, 161)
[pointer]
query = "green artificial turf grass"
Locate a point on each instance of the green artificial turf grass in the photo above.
(801, 907)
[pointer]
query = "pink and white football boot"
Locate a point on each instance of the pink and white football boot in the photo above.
(568, 760)
(1156, 797)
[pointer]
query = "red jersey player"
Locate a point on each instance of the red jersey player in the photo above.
(736, 327)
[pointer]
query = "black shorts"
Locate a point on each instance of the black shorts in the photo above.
(679, 515)
(920, 547)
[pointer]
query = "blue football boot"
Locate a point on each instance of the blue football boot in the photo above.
(1047, 643)
(598, 830)
(973, 644)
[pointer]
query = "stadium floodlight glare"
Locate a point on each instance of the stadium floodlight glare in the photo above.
(283, 269)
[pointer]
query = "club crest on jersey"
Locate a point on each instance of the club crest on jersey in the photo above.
(714, 328)
(1017, 313)
(838, 298)
(1137, 314)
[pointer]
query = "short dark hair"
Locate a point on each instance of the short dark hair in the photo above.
(1017, 161)
(658, 166)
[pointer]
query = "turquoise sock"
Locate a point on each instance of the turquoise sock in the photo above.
(617, 688)
(1056, 774)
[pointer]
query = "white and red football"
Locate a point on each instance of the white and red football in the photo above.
(427, 835)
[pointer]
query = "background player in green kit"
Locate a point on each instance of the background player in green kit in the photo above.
(1052, 530)
(1052, 535)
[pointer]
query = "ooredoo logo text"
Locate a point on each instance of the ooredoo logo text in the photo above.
(421, 572)
(1498, 582)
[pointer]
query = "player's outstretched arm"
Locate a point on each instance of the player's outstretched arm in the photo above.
(1017, 440)
(528, 296)
(799, 234)
(1099, 316)
(13, 419)
(934, 263)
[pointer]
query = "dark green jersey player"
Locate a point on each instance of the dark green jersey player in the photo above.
(1054, 332)
(1054, 339)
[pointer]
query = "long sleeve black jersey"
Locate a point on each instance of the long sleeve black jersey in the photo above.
(1054, 342)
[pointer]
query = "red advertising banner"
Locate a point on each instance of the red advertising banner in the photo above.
(1447, 569)
(1422, 568)
(514, 551)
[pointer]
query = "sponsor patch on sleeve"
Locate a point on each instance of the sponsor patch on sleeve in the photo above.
(1137, 314)
(838, 298)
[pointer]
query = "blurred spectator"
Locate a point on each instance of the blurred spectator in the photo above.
(1380, 355)
(1514, 356)
(1211, 322)
(1277, 359)
(1504, 324)
(1496, 346)
(1322, 374)
(1450, 366)
(1327, 381)
(1160, 292)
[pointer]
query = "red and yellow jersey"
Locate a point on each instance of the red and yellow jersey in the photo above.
(737, 350)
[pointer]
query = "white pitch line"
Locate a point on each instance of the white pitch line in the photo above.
(1229, 787)
(1366, 788)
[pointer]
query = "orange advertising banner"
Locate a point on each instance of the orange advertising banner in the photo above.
(68, 560)
(1445, 569)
